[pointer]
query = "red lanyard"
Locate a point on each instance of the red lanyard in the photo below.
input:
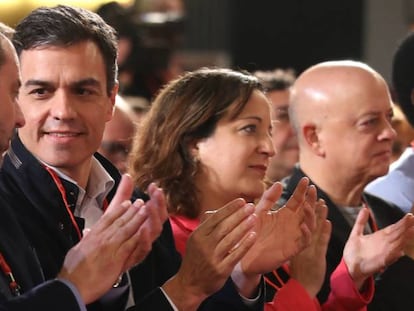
(63, 194)
(278, 278)
(14, 287)
(62, 191)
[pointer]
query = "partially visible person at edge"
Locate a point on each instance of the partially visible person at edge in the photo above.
(397, 186)
(219, 144)
(118, 134)
(341, 111)
(119, 239)
(59, 186)
(277, 84)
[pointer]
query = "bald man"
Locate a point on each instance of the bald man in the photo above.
(342, 114)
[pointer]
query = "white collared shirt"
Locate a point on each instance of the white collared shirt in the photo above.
(89, 204)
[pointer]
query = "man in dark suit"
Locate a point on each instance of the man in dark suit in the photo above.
(114, 243)
(342, 112)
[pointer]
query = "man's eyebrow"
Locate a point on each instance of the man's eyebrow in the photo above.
(83, 82)
(86, 82)
(35, 82)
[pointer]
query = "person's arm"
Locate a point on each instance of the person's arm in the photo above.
(48, 296)
(344, 295)
(293, 297)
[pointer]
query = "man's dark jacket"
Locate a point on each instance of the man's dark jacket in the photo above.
(42, 214)
(48, 296)
(394, 288)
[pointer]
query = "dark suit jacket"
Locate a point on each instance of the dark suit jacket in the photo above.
(394, 287)
(48, 296)
(43, 217)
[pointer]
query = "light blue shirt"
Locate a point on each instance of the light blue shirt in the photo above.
(397, 186)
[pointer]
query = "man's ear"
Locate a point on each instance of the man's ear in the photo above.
(311, 136)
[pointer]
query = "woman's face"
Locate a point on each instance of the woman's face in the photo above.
(234, 159)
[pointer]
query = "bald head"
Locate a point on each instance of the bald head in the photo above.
(320, 92)
(342, 113)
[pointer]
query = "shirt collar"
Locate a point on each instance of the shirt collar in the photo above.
(100, 183)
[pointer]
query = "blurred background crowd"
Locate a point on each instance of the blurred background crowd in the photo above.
(159, 39)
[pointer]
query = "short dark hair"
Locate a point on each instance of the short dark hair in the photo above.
(276, 80)
(403, 76)
(64, 26)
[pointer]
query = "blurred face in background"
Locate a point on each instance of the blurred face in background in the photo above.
(10, 115)
(117, 139)
(284, 137)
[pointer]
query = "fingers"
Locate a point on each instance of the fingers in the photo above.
(228, 232)
(305, 238)
(157, 211)
(134, 238)
(148, 225)
(160, 201)
(231, 241)
(298, 196)
(321, 209)
(360, 223)
(399, 229)
(135, 249)
(309, 216)
(124, 191)
(112, 214)
(325, 235)
(209, 225)
(269, 198)
(119, 203)
(311, 195)
(125, 226)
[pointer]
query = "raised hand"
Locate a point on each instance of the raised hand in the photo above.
(156, 211)
(282, 233)
(120, 237)
(309, 266)
(366, 254)
(212, 252)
